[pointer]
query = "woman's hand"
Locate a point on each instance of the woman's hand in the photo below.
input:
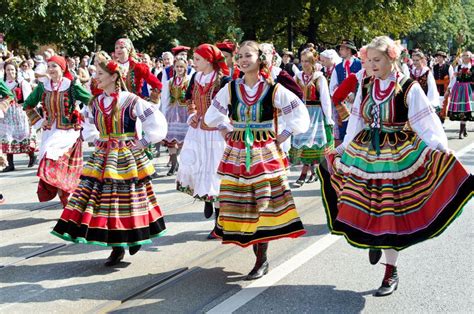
(194, 121)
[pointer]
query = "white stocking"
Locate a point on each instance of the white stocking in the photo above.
(391, 257)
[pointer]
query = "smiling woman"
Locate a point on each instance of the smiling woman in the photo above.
(114, 204)
(393, 182)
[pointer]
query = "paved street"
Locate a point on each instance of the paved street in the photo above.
(182, 272)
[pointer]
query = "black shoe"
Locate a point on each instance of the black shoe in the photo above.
(208, 209)
(8, 168)
(115, 257)
(134, 249)
(299, 183)
(172, 170)
(32, 161)
(258, 272)
(374, 256)
(389, 283)
(261, 265)
(312, 178)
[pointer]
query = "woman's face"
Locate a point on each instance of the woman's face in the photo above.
(121, 51)
(11, 72)
(200, 63)
(248, 59)
(180, 69)
(167, 60)
(54, 71)
(326, 62)
(379, 63)
(466, 57)
(105, 80)
(306, 63)
(228, 58)
(417, 62)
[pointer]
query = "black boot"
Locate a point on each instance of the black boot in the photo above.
(374, 256)
(134, 249)
(174, 165)
(389, 283)
(261, 265)
(208, 209)
(116, 256)
(462, 130)
(32, 161)
(212, 235)
(11, 165)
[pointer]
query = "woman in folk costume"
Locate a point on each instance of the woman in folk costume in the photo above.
(280, 76)
(203, 145)
(60, 152)
(424, 76)
(114, 204)
(175, 109)
(256, 205)
(134, 73)
(461, 88)
(386, 187)
(311, 146)
(16, 136)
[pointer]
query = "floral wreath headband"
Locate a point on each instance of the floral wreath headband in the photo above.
(110, 67)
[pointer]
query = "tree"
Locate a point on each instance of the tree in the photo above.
(444, 28)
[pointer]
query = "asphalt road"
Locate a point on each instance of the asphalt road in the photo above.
(182, 272)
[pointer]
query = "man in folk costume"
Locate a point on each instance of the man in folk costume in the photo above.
(350, 64)
(228, 49)
(442, 72)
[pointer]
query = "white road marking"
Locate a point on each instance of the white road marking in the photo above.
(260, 285)
(464, 151)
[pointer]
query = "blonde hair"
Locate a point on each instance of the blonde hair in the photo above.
(313, 56)
(263, 68)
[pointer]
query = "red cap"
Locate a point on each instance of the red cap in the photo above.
(226, 46)
(179, 49)
(212, 54)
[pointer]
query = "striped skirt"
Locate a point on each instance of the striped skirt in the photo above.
(256, 205)
(407, 194)
(114, 204)
(461, 104)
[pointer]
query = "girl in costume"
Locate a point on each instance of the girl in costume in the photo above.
(134, 73)
(114, 204)
(203, 145)
(16, 136)
(175, 109)
(256, 205)
(424, 76)
(60, 152)
(311, 146)
(461, 91)
(387, 187)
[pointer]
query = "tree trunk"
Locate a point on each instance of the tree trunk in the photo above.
(290, 33)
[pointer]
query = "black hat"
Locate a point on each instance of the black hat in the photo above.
(349, 44)
(442, 54)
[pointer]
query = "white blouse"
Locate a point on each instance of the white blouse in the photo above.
(324, 96)
(423, 120)
(294, 112)
(433, 94)
(149, 120)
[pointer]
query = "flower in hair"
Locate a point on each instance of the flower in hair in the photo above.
(112, 66)
(393, 52)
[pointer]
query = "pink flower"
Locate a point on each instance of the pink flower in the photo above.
(393, 52)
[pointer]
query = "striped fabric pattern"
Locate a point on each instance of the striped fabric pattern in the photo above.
(114, 204)
(462, 102)
(407, 194)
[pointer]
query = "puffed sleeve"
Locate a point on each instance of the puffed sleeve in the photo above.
(355, 123)
(325, 99)
(217, 113)
(453, 78)
(424, 121)
(333, 82)
(151, 121)
(89, 130)
(165, 97)
(433, 94)
(294, 112)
